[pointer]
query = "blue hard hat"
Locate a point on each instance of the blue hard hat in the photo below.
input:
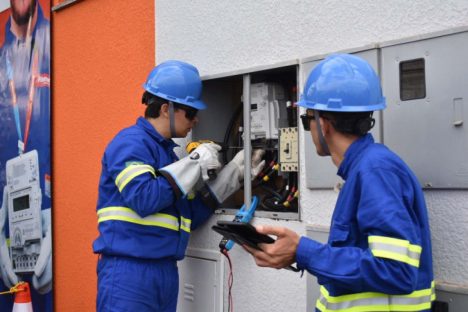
(176, 81)
(343, 83)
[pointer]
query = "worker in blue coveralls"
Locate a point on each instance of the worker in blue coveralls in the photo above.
(378, 256)
(25, 128)
(150, 201)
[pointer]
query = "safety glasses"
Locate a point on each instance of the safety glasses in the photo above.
(190, 112)
(306, 121)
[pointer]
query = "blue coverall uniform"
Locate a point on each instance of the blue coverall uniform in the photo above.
(143, 228)
(17, 61)
(378, 256)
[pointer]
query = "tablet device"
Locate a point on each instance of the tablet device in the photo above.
(242, 233)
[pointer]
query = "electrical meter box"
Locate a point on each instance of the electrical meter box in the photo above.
(320, 171)
(273, 128)
(425, 82)
(24, 211)
(266, 100)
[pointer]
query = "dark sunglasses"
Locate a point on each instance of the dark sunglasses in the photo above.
(306, 121)
(190, 112)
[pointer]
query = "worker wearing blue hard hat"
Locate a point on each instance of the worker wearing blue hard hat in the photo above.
(150, 200)
(378, 256)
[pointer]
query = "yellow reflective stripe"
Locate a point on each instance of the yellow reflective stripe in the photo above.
(372, 301)
(131, 172)
(128, 215)
(378, 308)
(185, 224)
(119, 208)
(395, 256)
(366, 295)
(8, 242)
(395, 241)
(395, 249)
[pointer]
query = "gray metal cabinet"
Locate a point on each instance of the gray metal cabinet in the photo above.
(201, 280)
(426, 85)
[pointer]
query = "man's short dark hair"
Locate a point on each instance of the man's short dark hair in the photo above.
(153, 104)
(355, 123)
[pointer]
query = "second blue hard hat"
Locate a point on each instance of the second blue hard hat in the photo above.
(176, 81)
(343, 83)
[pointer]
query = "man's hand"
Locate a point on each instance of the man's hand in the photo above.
(280, 254)
(257, 162)
(208, 158)
(184, 174)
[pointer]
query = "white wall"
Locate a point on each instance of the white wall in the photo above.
(223, 36)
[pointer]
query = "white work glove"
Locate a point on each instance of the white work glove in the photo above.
(186, 172)
(230, 177)
(42, 278)
(257, 162)
(209, 159)
(7, 274)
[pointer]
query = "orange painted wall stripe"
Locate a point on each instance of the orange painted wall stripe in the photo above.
(102, 52)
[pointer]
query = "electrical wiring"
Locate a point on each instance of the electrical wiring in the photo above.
(230, 282)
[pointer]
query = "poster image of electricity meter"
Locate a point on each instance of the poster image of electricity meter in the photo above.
(24, 211)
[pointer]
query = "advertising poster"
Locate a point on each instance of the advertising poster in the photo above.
(25, 176)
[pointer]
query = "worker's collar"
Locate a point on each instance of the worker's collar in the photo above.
(148, 127)
(353, 152)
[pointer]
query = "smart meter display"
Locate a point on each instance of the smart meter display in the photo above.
(21, 203)
(24, 211)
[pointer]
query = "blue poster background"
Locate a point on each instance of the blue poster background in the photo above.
(25, 127)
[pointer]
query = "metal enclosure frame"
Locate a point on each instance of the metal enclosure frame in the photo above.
(246, 81)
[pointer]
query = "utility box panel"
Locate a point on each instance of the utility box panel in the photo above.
(449, 301)
(320, 171)
(200, 282)
(273, 129)
(425, 83)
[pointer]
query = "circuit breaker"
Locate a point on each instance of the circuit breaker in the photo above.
(288, 149)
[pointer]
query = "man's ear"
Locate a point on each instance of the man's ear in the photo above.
(325, 124)
(164, 110)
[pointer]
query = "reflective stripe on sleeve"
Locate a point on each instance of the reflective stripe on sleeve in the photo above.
(128, 215)
(131, 172)
(371, 301)
(395, 249)
(185, 224)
